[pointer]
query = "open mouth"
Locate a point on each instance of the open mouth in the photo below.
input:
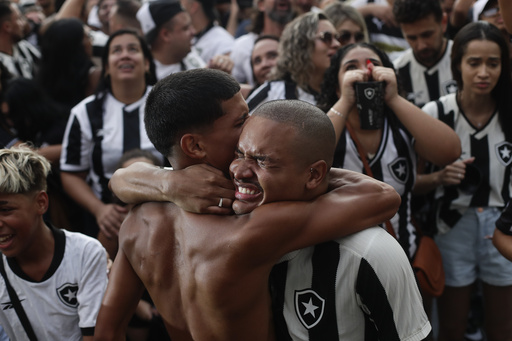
(247, 192)
(5, 239)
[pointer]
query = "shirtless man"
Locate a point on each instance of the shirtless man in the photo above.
(207, 274)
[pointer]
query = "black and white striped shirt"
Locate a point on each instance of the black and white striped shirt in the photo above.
(356, 288)
(96, 138)
(395, 164)
(424, 84)
(493, 157)
(279, 89)
(24, 60)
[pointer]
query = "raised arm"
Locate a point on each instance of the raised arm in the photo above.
(197, 188)
(357, 202)
(435, 141)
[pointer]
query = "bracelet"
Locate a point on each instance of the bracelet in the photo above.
(336, 112)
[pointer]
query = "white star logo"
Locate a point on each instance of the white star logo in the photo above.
(310, 308)
(70, 295)
(400, 169)
(505, 153)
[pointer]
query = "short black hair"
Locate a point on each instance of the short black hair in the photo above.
(186, 100)
(315, 138)
(410, 11)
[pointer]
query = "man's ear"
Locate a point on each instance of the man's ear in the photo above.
(192, 146)
(317, 174)
(42, 202)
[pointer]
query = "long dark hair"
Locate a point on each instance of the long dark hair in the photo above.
(328, 95)
(501, 93)
(65, 65)
(104, 85)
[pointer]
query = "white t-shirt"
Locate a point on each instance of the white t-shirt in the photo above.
(191, 61)
(64, 305)
(215, 41)
(241, 56)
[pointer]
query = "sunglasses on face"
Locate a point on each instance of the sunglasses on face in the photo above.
(345, 36)
(327, 37)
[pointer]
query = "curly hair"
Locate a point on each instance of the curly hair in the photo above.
(295, 49)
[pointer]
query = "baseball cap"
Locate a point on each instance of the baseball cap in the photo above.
(153, 14)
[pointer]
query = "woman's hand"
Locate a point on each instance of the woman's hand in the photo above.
(387, 75)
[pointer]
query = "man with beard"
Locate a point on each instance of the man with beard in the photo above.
(425, 67)
(18, 55)
(270, 19)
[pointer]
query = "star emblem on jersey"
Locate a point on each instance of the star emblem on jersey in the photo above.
(309, 307)
(67, 294)
(399, 169)
(504, 152)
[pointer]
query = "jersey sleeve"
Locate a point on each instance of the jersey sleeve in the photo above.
(92, 286)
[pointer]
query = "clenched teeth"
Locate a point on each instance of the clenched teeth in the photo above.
(245, 190)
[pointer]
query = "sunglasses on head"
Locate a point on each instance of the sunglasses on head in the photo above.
(345, 37)
(327, 37)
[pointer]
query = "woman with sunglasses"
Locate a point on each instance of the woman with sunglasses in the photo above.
(104, 126)
(472, 191)
(349, 23)
(390, 148)
(305, 49)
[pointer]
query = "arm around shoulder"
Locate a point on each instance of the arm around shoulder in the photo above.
(356, 202)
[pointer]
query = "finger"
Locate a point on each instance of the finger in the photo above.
(105, 231)
(218, 210)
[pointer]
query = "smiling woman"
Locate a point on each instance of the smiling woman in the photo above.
(104, 126)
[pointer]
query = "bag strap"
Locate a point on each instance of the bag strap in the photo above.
(17, 304)
(362, 155)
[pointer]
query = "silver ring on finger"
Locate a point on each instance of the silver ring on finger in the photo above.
(220, 202)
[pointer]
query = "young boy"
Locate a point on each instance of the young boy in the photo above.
(59, 277)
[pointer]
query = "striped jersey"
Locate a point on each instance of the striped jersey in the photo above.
(24, 59)
(424, 84)
(278, 89)
(395, 164)
(493, 156)
(358, 288)
(65, 303)
(96, 138)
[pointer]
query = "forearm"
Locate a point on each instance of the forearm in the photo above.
(459, 16)
(503, 243)
(339, 115)
(52, 153)
(71, 9)
(434, 140)
(426, 183)
(141, 182)
(76, 187)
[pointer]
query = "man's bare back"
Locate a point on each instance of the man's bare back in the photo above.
(198, 271)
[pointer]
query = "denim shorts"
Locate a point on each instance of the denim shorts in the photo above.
(468, 254)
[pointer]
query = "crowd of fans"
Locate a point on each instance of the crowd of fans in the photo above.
(75, 74)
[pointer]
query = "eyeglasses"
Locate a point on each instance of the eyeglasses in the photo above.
(491, 12)
(327, 37)
(345, 37)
